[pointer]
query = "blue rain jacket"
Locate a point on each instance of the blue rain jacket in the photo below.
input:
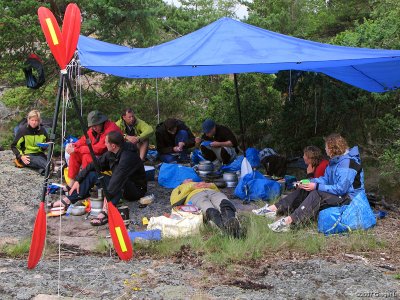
(343, 176)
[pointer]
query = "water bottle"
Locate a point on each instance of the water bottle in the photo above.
(67, 213)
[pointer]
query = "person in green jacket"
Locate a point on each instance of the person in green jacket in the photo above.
(25, 145)
(136, 131)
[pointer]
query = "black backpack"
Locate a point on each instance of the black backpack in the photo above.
(32, 64)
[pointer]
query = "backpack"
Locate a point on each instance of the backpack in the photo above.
(255, 186)
(356, 215)
(33, 63)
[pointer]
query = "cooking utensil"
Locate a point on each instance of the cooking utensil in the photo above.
(94, 212)
(231, 184)
(206, 167)
(232, 177)
(96, 204)
(220, 183)
(78, 210)
(204, 173)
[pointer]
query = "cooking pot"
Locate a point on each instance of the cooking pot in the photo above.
(206, 167)
(78, 210)
(94, 212)
(96, 204)
(220, 183)
(232, 177)
(231, 184)
(204, 173)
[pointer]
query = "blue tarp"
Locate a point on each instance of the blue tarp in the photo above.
(228, 46)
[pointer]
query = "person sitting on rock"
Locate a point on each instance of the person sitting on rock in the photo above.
(79, 154)
(173, 140)
(316, 165)
(25, 145)
(128, 178)
(218, 143)
(136, 131)
(342, 181)
(216, 207)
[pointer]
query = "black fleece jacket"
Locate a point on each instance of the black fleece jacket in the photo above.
(166, 141)
(125, 165)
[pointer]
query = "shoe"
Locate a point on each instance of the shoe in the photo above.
(264, 211)
(100, 221)
(232, 227)
(279, 226)
(261, 211)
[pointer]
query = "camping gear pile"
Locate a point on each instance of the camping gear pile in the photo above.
(184, 220)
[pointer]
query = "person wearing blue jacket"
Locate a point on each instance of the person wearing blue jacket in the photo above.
(342, 181)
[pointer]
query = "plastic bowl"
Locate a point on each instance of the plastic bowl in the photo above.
(78, 210)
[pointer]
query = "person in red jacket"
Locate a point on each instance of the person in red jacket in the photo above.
(316, 163)
(99, 127)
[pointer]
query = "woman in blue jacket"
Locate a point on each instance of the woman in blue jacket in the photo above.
(342, 181)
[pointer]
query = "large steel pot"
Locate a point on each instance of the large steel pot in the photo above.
(230, 177)
(96, 204)
(206, 166)
(231, 184)
(94, 212)
(204, 173)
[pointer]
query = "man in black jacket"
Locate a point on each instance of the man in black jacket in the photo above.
(218, 143)
(128, 179)
(173, 139)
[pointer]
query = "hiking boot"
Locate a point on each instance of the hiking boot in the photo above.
(264, 211)
(279, 226)
(213, 217)
(232, 227)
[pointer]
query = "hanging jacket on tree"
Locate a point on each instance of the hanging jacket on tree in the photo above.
(166, 141)
(140, 129)
(98, 139)
(344, 175)
(26, 140)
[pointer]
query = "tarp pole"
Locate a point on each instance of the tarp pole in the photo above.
(158, 103)
(239, 113)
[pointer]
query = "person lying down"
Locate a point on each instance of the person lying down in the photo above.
(217, 209)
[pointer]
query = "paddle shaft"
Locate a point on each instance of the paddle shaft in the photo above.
(239, 113)
(52, 138)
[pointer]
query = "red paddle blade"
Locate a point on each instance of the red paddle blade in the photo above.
(53, 35)
(38, 238)
(119, 234)
(71, 29)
